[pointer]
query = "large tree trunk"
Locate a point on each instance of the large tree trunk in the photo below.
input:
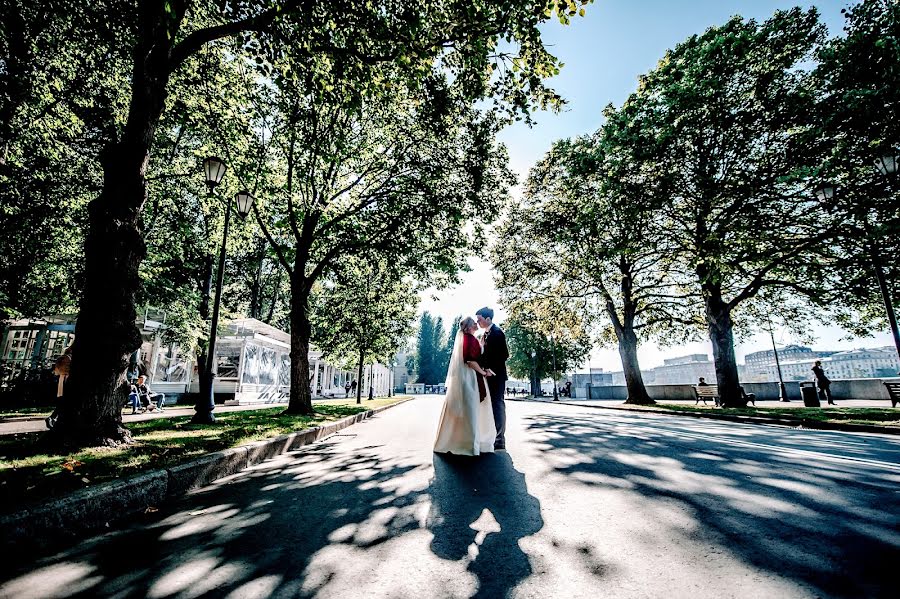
(634, 380)
(105, 334)
(627, 338)
(721, 334)
(301, 331)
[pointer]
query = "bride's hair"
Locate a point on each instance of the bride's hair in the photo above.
(465, 323)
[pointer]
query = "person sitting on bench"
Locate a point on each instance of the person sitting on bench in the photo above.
(148, 397)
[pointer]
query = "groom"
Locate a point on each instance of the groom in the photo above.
(494, 358)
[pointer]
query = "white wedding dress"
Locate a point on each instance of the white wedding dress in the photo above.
(467, 424)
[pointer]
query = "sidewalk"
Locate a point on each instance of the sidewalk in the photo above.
(761, 403)
(34, 424)
(761, 417)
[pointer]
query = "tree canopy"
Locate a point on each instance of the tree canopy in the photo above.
(107, 85)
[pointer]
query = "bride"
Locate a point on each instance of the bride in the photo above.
(467, 421)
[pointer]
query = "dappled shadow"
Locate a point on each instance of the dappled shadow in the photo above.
(323, 521)
(257, 533)
(481, 510)
(817, 507)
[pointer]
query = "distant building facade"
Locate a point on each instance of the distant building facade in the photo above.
(760, 367)
(595, 377)
(864, 363)
(796, 365)
(401, 372)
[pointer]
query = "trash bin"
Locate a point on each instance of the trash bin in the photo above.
(808, 393)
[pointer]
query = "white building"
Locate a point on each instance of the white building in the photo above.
(864, 363)
(252, 360)
(759, 367)
(860, 363)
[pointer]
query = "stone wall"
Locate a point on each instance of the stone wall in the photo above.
(840, 389)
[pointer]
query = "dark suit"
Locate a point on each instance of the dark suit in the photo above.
(494, 357)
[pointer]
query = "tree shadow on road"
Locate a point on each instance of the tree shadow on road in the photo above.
(256, 534)
(829, 524)
(323, 521)
(480, 511)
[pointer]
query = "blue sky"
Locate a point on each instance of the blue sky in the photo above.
(604, 53)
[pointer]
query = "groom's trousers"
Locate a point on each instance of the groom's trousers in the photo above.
(496, 386)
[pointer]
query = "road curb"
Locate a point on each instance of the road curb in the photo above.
(790, 422)
(97, 508)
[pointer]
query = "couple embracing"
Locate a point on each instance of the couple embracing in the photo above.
(473, 420)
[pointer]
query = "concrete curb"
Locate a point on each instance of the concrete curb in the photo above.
(779, 421)
(96, 508)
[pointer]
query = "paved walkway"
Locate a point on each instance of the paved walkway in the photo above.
(794, 403)
(32, 424)
(587, 503)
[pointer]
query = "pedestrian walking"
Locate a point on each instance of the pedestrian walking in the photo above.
(822, 382)
(347, 389)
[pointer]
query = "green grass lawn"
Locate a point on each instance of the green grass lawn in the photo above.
(31, 469)
(876, 416)
(25, 413)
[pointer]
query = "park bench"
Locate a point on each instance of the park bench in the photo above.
(704, 392)
(893, 390)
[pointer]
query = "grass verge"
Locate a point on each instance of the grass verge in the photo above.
(872, 416)
(33, 470)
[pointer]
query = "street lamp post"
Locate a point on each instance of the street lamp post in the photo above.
(782, 391)
(533, 371)
(553, 353)
(214, 169)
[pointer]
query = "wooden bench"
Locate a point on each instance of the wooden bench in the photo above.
(893, 390)
(704, 392)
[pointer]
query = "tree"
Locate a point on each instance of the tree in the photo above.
(859, 78)
(357, 314)
(729, 108)
(392, 175)
(586, 233)
(536, 344)
(431, 350)
(52, 127)
(158, 38)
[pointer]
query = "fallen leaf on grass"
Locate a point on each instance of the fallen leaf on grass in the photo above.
(85, 480)
(150, 509)
(71, 465)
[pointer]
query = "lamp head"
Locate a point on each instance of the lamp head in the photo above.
(213, 170)
(887, 163)
(825, 191)
(244, 202)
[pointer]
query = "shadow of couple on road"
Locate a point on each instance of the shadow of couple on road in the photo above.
(480, 510)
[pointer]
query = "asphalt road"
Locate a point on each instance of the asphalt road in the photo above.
(586, 503)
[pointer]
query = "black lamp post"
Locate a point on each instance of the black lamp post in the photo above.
(553, 353)
(534, 373)
(782, 391)
(214, 169)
